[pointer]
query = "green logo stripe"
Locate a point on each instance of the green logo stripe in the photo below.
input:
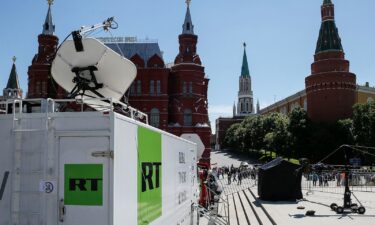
(83, 184)
(149, 176)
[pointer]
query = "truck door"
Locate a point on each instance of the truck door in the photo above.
(83, 181)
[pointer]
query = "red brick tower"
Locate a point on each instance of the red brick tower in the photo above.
(41, 84)
(331, 87)
(188, 112)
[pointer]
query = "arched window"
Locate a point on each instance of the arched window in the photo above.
(188, 26)
(305, 104)
(370, 99)
(188, 118)
(155, 117)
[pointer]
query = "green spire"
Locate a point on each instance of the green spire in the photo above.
(327, 2)
(329, 39)
(13, 77)
(245, 67)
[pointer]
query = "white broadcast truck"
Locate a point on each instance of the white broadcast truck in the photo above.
(92, 168)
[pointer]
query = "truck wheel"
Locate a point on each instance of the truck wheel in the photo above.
(333, 206)
(339, 210)
(361, 210)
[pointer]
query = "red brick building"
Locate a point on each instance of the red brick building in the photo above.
(174, 97)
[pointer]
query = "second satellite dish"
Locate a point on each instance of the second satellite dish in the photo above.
(97, 71)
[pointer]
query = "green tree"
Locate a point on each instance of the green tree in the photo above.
(231, 140)
(364, 124)
(300, 131)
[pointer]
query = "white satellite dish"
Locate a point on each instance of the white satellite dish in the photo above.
(195, 139)
(95, 71)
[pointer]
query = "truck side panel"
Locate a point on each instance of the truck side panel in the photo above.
(6, 160)
(125, 173)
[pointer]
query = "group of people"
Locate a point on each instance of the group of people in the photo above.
(236, 174)
(322, 178)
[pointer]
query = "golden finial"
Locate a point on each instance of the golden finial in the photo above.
(188, 2)
(14, 59)
(50, 2)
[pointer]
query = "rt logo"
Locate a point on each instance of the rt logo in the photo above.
(149, 170)
(84, 184)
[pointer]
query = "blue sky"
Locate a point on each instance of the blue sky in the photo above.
(280, 35)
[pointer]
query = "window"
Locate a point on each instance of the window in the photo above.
(44, 87)
(191, 87)
(158, 88)
(370, 99)
(187, 26)
(132, 89)
(139, 87)
(155, 117)
(184, 88)
(305, 104)
(188, 117)
(37, 87)
(152, 91)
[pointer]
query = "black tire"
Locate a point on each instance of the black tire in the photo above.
(339, 210)
(333, 206)
(361, 210)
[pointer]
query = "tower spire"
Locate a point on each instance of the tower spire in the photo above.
(48, 26)
(13, 82)
(188, 27)
(245, 67)
(329, 39)
(13, 89)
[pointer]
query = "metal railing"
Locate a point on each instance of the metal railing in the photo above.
(333, 181)
(51, 106)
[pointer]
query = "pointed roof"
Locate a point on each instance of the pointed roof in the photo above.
(48, 26)
(188, 27)
(329, 39)
(13, 77)
(245, 67)
(327, 2)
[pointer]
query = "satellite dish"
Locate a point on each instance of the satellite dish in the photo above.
(93, 71)
(196, 139)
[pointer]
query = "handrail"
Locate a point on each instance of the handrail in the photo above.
(51, 106)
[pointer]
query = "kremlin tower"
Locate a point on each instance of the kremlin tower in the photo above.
(331, 88)
(245, 94)
(41, 84)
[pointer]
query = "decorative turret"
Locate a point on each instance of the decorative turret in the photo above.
(234, 109)
(188, 41)
(331, 87)
(41, 84)
(245, 94)
(13, 89)
(258, 107)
